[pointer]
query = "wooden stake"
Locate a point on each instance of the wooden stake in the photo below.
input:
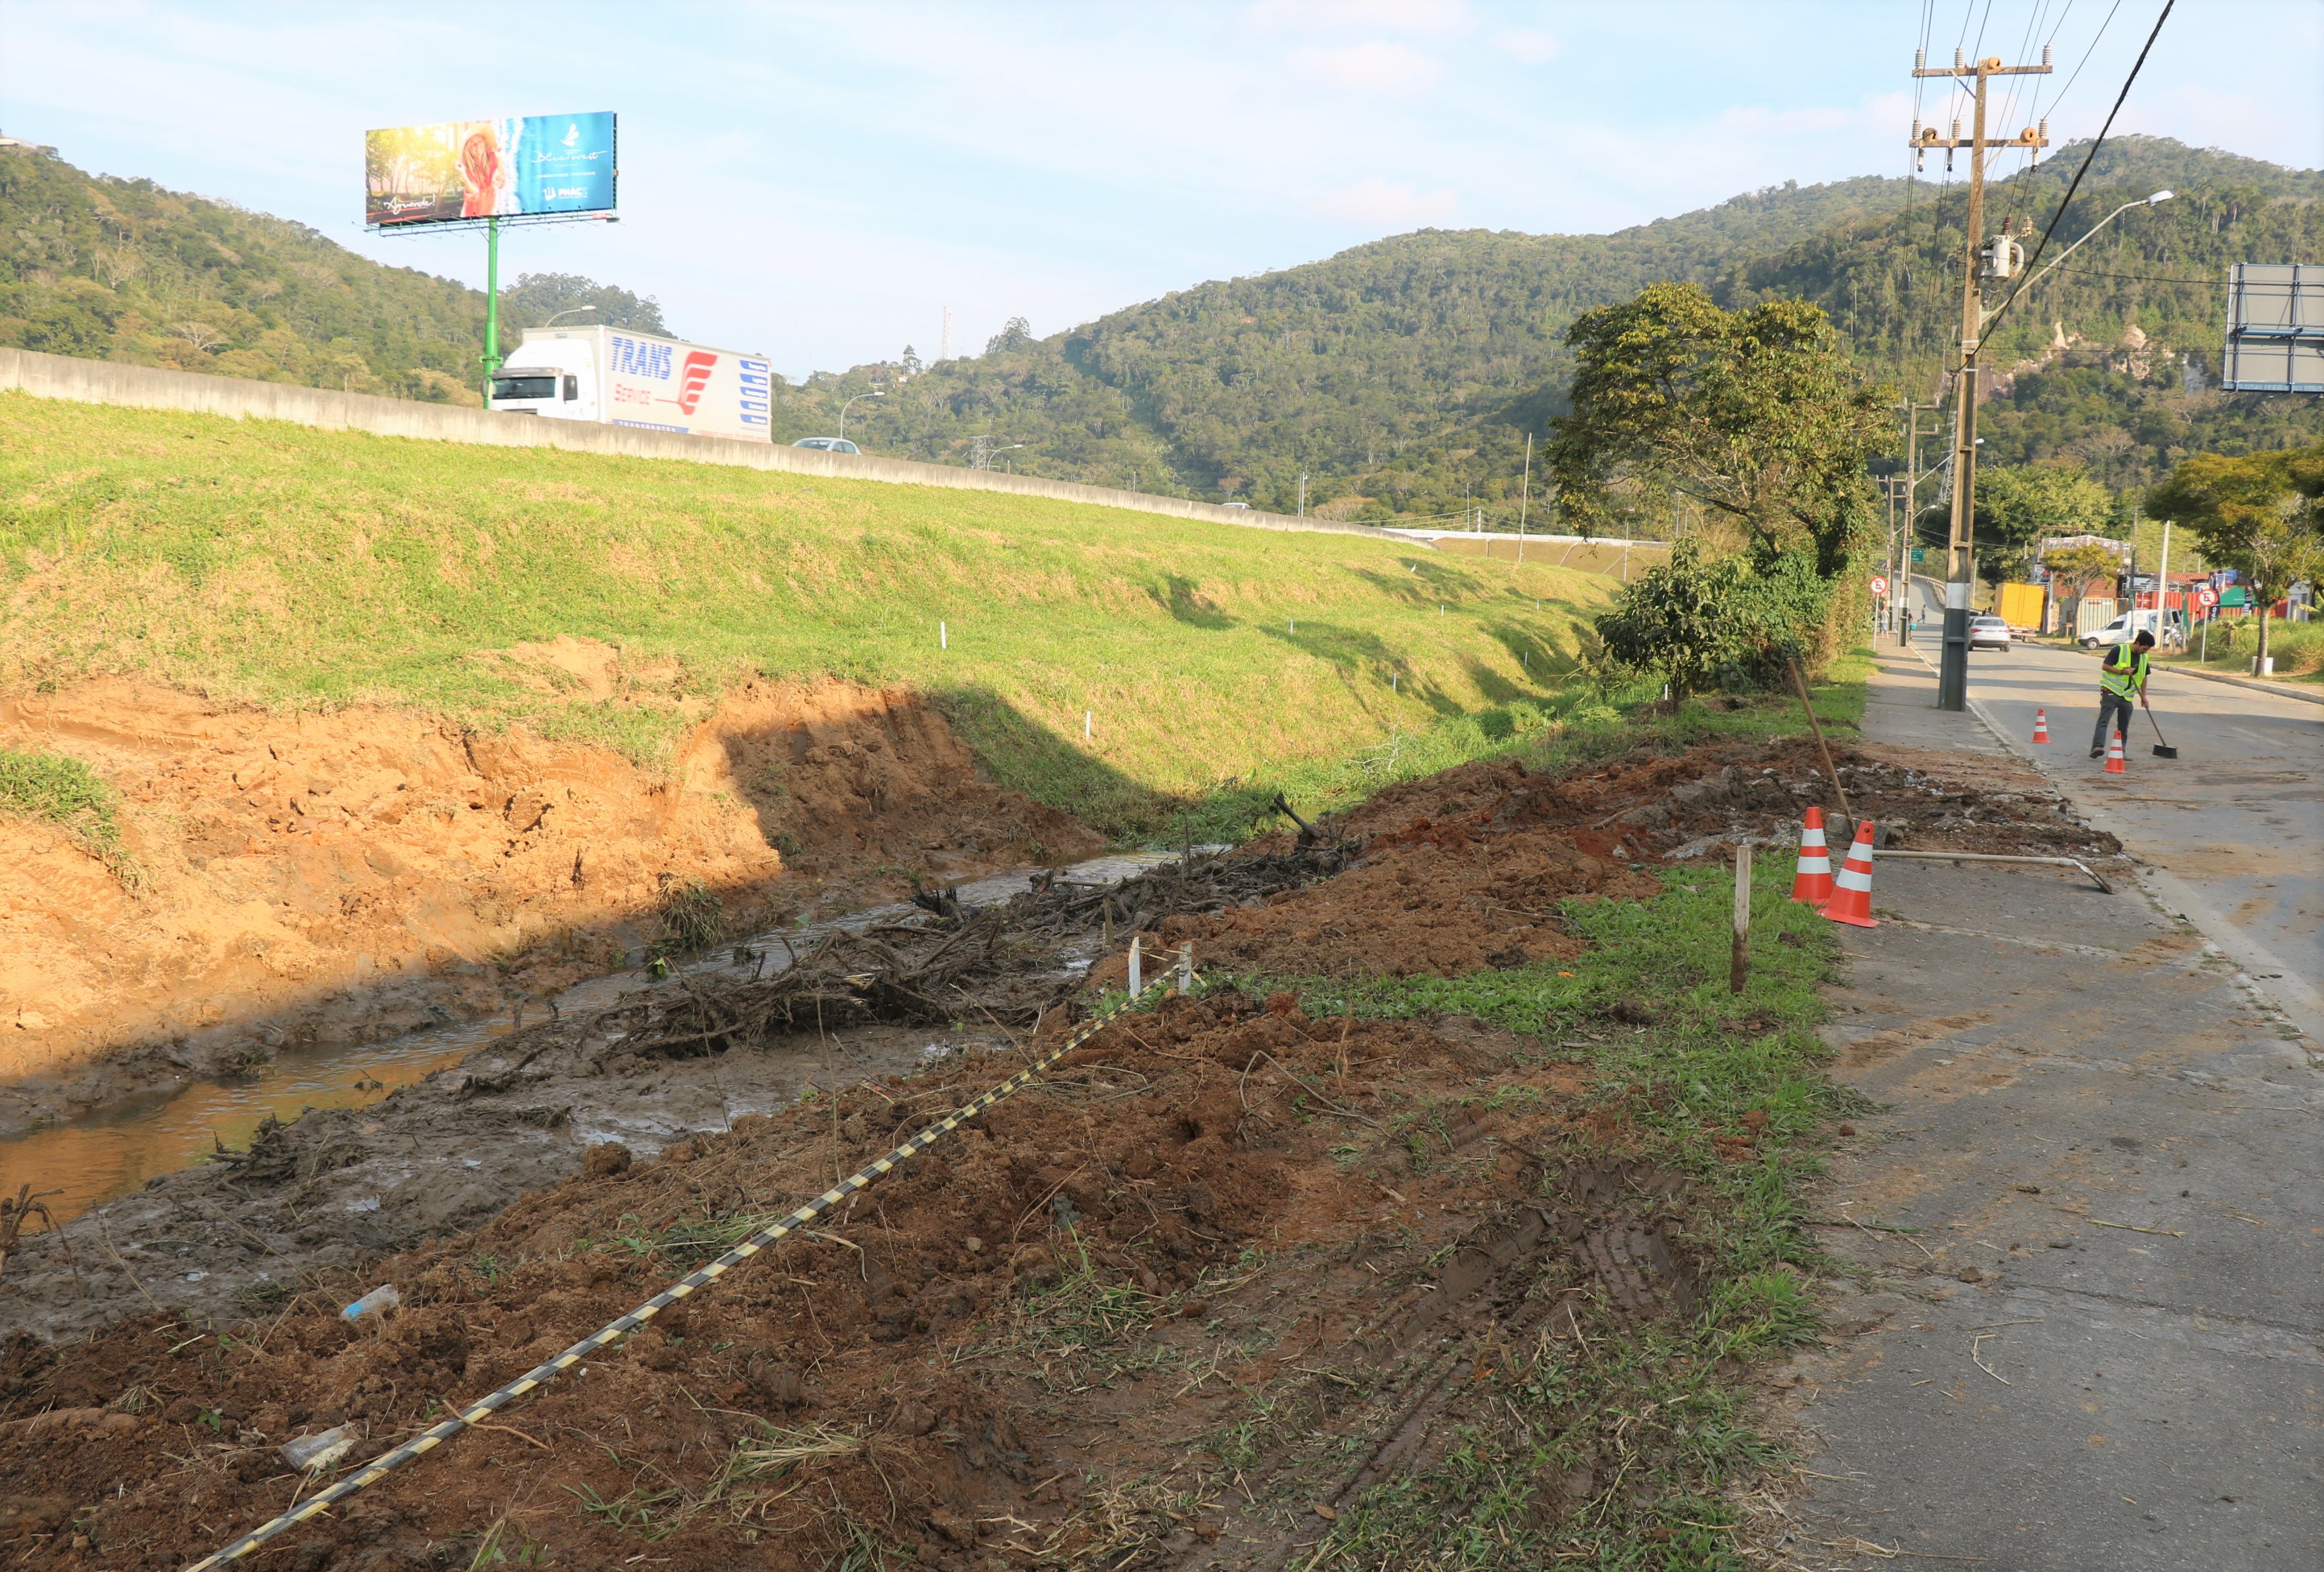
(1817, 726)
(1737, 963)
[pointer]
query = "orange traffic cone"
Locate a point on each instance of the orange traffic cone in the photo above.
(2040, 726)
(2113, 754)
(1852, 892)
(1812, 884)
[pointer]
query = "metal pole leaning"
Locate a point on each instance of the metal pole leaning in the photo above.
(621, 1326)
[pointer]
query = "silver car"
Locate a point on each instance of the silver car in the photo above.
(1988, 632)
(828, 444)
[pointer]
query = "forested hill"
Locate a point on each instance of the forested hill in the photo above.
(124, 270)
(1402, 375)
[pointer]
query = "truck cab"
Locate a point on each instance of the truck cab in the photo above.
(556, 378)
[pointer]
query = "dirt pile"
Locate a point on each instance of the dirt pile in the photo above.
(1662, 807)
(1224, 1242)
(1428, 897)
(349, 876)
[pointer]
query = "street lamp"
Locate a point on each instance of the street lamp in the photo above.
(568, 311)
(2157, 199)
(877, 392)
(2001, 256)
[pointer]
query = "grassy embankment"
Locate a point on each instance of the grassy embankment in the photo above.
(288, 567)
(2297, 649)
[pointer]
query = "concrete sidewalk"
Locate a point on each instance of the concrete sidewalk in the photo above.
(2076, 1320)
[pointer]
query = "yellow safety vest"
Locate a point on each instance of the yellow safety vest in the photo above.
(2124, 681)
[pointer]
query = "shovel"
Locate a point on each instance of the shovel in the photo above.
(2162, 750)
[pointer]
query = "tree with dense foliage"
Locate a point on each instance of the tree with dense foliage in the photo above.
(1757, 415)
(539, 297)
(2259, 514)
(1699, 620)
(2079, 566)
(2018, 506)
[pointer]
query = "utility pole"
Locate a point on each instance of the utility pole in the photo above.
(1303, 494)
(1999, 259)
(1904, 576)
(944, 349)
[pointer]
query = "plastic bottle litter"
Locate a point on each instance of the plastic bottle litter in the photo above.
(383, 1298)
(317, 1453)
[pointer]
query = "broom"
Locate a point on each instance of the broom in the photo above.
(2162, 750)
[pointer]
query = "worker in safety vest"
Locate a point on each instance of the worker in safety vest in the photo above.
(2122, 682)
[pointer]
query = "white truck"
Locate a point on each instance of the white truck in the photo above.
(614, 376)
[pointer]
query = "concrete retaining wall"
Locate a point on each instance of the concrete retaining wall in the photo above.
(101, 382)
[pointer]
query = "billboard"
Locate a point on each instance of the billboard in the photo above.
(2275, 329)
(458, 169)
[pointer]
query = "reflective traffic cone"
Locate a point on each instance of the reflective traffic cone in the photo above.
(1812, 884)
(1852, 892)
(2040, 726)
(2113, 754)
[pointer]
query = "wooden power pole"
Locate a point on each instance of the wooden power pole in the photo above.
(2000, 259)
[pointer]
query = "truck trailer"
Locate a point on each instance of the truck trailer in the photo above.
(613, 376)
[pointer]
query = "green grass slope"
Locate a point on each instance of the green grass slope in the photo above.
(289, 567)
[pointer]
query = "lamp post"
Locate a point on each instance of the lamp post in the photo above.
(877, 392)
(569, 310)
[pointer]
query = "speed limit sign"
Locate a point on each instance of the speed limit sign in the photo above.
(2206, 597)
(1880, 584)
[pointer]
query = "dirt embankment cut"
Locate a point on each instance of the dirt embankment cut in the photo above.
(349, 876)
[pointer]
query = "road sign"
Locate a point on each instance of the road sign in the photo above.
(2207, 598)
(1879, 585)
(1920, 553)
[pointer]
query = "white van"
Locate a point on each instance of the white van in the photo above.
(2170, 632)
(613, 377)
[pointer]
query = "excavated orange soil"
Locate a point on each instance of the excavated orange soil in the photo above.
(1039, 1345)
(1429, 898)
(349, 876)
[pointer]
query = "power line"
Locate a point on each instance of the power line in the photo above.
(2137, 66)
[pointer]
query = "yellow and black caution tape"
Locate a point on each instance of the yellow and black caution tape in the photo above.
(613, 1331)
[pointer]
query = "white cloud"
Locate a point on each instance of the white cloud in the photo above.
(1386, 205)
(1526, 45)
(1427, 18)
(1395, 70)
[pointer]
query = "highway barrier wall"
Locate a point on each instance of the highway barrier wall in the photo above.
(102, 381)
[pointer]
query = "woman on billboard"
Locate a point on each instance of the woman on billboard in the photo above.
(481, 173)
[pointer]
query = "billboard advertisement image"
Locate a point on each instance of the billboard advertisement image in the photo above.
(458, 169)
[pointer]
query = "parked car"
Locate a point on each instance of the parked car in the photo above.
(1243, 506)
(828, 444)
(2170, 633)
(1987, 632)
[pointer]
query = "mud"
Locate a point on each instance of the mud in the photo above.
(1043, 1342)
(344, 878)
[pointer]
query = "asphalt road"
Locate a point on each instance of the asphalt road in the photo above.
(2237, 822)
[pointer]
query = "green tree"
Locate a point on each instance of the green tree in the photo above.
(1756, 414)
(539, 296)
(1698, 621)
(2258, 514)
(2018, 505)
(2081, 566)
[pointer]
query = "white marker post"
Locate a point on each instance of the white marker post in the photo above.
(944, 637)
(1742, 918)
(1137, 966)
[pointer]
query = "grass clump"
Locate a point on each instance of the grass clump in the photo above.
(58, 789)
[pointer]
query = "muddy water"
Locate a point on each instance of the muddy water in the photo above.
(86, 1161)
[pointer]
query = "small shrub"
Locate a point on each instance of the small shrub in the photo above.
(60, 790)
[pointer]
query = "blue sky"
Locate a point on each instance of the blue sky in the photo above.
(819, 180)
